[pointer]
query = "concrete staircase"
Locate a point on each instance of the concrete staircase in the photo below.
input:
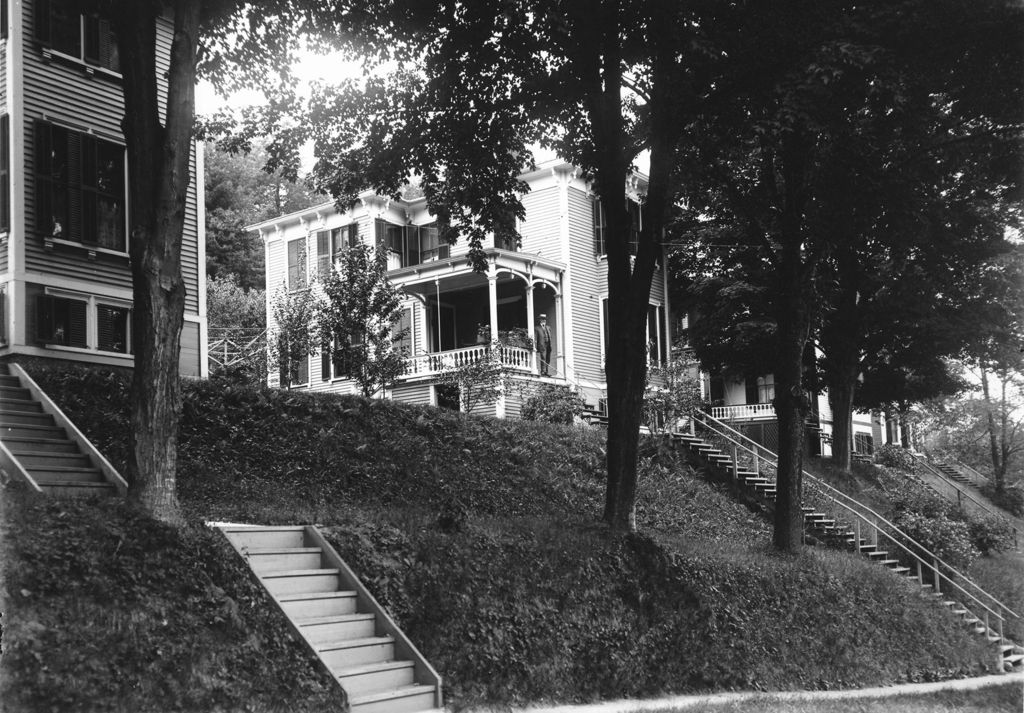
(820, 528)
(42, 448)
(953, 473)
(376, 666)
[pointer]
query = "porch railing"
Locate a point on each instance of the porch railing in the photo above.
(515, 358)
(743, 412)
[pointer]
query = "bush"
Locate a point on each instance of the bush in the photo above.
(991, 534)
(893, 456)
(949, 539)
(552, 403)
(1009, 499)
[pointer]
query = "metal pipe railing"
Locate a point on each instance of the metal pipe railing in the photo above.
(863, 513)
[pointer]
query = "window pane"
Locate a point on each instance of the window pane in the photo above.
(109, 168)
(65, 29)
(110, 232)
(112, 327)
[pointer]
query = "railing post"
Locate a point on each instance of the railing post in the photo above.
(735, 463)
(757, 460)
(856, 543)
(920, 573)
(935, 569)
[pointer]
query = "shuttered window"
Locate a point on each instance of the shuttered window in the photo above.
(601, 227)
(331, 243)
(63, 321)
(297, 264)
(112, 328)
(80, 188)
(86, 38)
(402, 331)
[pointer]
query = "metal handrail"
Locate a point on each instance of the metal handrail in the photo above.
(855, 507)
(981, 477)
(960, 491)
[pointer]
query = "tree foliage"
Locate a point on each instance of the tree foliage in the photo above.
(296, 328)
(479, 382)
(358, 318)
(239, 192)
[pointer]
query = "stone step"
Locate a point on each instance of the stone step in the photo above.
(376, 677)
(340, 655)
(266, 537)
(402, 700)
(14, 393)
(26, 405)
(55, 474)
(75, 489)
(25, 418)
(275, 559)
(321, 630)
(299, 581)
(40, 444)
(42, 433)
(308, 605)
(43, 459)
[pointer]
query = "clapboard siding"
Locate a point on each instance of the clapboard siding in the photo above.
(418, 394)
(540, 228)
(189, 363)
(589, 283)
(61, 91)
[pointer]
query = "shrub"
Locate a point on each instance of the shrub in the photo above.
(949, 539)
(1009, 499)
(894, 456)
(991, 534)
(553, 403)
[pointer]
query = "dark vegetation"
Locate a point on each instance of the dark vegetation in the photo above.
(480, 535)
(983, 548)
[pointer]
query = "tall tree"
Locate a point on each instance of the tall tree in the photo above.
(790, 151)
(239, 192)
(477, 84)
(238, 44)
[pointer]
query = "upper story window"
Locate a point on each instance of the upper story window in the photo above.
(410, 244)
(80, 188)
(85, 38)
(297, 264)
(601, 227)
(331, 243)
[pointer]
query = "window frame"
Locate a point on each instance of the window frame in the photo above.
(297, 275)
(79, 188)
(92, 30)
(91, 305)
(336, 241)
(600, 226)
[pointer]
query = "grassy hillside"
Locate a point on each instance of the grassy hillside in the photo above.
(481, 537)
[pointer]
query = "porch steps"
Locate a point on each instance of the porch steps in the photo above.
(953, 473)
(826, 530)
(594, 416)
(376, 667)
(40, 447)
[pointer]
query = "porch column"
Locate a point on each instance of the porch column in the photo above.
(530, 325)
(560, 358)
(492, 298)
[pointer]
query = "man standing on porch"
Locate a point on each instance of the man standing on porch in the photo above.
(542, 340)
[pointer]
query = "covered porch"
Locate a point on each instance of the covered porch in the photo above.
(469, 316)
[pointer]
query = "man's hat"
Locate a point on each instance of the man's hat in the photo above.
(543, 316)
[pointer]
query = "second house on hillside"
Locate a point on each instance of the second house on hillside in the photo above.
(551, 287)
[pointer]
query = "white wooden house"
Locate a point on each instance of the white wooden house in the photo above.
(65, 280)
(559, 270)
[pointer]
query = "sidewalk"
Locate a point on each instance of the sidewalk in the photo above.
(701, 702)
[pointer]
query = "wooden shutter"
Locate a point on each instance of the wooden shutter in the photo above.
(353, 235)
(42, 18)
(325, 361)
(297, 264)
(599, 228)
(323, 252)
(44, 178)
(5, 168)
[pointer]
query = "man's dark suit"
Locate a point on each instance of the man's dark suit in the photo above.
(542, 339)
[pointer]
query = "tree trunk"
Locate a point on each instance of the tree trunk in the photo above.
(841, 397)
(998, 466)
(795, 274)
(791, 410)
(158, 168)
